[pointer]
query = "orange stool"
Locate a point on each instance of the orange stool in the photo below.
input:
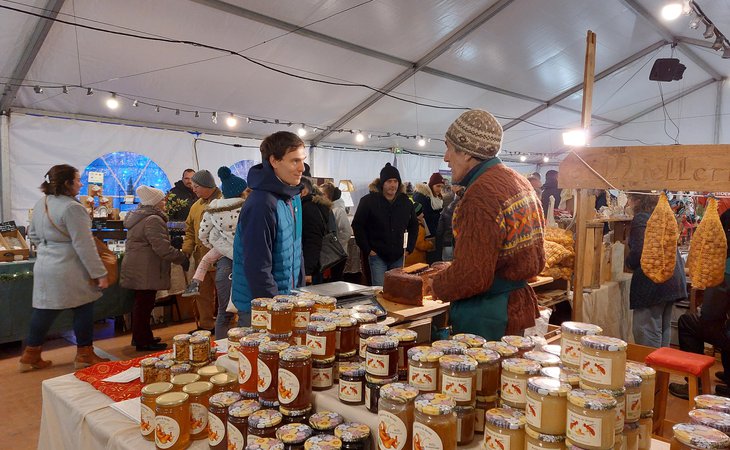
(670, 361)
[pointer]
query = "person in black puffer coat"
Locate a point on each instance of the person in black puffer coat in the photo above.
(316, 211)
(183, 190)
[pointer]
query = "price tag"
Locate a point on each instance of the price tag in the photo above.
(96, 177)
(8, 226)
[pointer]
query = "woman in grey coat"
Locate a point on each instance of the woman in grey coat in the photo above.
(68, 273)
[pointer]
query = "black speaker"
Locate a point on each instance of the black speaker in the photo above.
(667, 69)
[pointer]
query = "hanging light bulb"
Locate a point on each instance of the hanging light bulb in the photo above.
(575, 138)
(359, 137)
(135, 103)
(112, 102)
(421, 141)
(523, 158)
(546, 159)
(231, 120)
(89, 91)
(301, 131)
(214, 117)
(38, 89)
(672, 11)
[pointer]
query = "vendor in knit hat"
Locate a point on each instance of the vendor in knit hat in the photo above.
(498, 227)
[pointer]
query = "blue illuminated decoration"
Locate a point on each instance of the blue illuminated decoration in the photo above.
(123, 172)
(242, 167)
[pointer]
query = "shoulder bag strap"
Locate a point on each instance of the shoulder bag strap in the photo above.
(52, 222)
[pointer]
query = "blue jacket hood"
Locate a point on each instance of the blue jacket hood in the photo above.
(262, 177)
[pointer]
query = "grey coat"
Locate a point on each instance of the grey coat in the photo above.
(148, 253)
(65, 264)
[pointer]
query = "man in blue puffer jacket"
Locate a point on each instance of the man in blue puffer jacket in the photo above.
(267, 249)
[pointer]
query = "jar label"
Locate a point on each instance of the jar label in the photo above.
(378, 365)
(198, 418)
(479, 423)
(268, 321)
(363, 348)
(322, 377)
(531, 446)
(645, 426)
(317, 344)
(584, 430)
(514, 390)
(633, 406)
(167, 431)
(596, 370)
(496, 441)
(233, 349)
(350, 391)
(533, 412)
(459, 388)
(288, 387)
(424, 438)
(337, 340)
(424, 378)
(147, 420)
(264, 376)
(570, 350)
(480, 380)
(259, 319)
(216, 430)
(367, 397)
(235, 438)
(392, 432)
(244, 369)
(620, 415)
(300, 319)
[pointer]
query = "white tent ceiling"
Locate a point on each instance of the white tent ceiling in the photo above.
(519, 59)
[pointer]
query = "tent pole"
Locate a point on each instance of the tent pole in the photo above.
(5, 212)
(718, 111)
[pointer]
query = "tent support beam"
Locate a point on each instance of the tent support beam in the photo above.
(4, 168)
(32, 47)
(718, 111)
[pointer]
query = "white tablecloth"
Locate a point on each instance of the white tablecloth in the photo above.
(608, 307)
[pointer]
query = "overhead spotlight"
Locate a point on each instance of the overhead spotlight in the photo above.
(726, 52)
(157, 108)
(65, 89)
(719, 42)
(197, 114)
(38, 89)
(421, 142)
(694, 23)
(359, 137)
(214, 117)
(301, 131)
(672, 11)
(523, 158)
(709, 31)
(575, 138)
(89, 91)
(177, 112)
(546, 159)
(112, 102)
(231, 121)
(135, 103)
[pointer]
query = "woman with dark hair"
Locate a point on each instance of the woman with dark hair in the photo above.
(68, 273)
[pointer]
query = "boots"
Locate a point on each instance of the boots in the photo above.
(31, 359)
(86, 357)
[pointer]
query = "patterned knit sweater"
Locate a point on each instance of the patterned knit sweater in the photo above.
(498, 230)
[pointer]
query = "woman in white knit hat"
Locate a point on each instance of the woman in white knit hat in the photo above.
(146, 265)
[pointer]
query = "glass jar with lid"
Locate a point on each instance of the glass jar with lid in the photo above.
(423, 368)
(513, 384)
(506, 351)
(218, 405)
(164, 369)
(181, 347)
(323, 374)
(631, 436)
(648, 384)
(224, 382)
(149, 394)
(523, 344)
(483, 405)
(237, 427)
(591, 419)
(406, 340)
(504, 429)
(367, 331)
(321, 339)
(434, 425)
(264, 422)
(618, 441)
(260, 313)
(323, 317)
(147, 371)
(295, 415)
(382, 357)
(267, 369)
(351, 388)
(620, 396)
(458, 378)
(545, 359)
(563, 374)
(325, 304)
(547, 405)
(714, 402)
(205, 333)
(323, 442)
(172, 421)
(364, 317)
(570, 336)
(299, 337)
(534, 440)
(646, 427)
(354, 435)
(632, 384)
(178, 381)
(396, 412)
(269, 404)
(325, 422)
(295, 378)
(710, 418)
(372, 390)
(285, 337)
(603, 362)
(368, 308)
(487, 370)
(693, 436)
(465, 424)
(248, 364)
(449, 347)
(343, 312)
(294, 435)
(199, 349)
(300, 315)
(259, 443)
(179, 369)
(199, 393)
(207, 372)
(234, 336)
(280, 317)
(471, 340)
(345, 335)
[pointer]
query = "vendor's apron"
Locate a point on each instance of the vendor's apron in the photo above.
(485, 314)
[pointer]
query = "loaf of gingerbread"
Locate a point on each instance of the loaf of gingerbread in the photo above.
(408, 285)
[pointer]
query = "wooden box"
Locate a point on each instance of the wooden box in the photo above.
(13, 254)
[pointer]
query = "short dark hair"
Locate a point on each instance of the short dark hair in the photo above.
(59, 180)
(186, 171)
(279, 144)
(644, 202)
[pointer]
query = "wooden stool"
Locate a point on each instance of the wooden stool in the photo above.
(685, 364)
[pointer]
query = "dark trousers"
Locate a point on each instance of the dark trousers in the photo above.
(42, 319)
(224, 320)
(144, 303)
(694, 332)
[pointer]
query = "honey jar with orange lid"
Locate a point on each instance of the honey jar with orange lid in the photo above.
(591, 419)
(458, 378)
(367, 331)
(547, 405)
(321, 339)
(354, 436)
(199, 393)
(325, 304)
(434, 425)
(534, 440)
(504, 429)
(325, 422)
(218, 405)
(632, 384)
(164, 369)
(714, 402)
(147, 371)
(570, 336)
(294, 435)
(544, 358)
(603, 362)
(513, 384)
(267, 369)
(694, 436)
(259, 443)
(148, 396)
(564, 374)
(449, 347)
(423, 368)
(396, 412)
(303, 308)
(224, 382)
(506, 351)
(181, 347)
(381, 359)
(237, 426)
(248, 364)
(264, 422)
(260, 313)
(295, 378)
(323, 442)
(487, 383)
(208, 371)
(280, 320)
(345, 335)
(178, 381)
(406, 341)
(172, 421)
(523, 344)
(710, 418)
(471, 340)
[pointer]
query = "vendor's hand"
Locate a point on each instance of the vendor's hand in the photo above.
(308, 279)
(102, 282)
(428, 286)
(372, 253)
(185, 265)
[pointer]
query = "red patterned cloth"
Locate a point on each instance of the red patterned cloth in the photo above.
(116, 391)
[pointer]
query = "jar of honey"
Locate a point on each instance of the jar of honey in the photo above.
(547, 405)
(534, 440)
(449, 347)
(523, 344)
(368, 308)
(345, 335)
(147, 371)
(382, 357)
(545, 359)
(199, 393)
(259, 443)
(268, 370)
(234, 336)
(710, 418)
(487, 370)
(515, 373)
(364, 318)
(323, 317)
(423, 368)
(181, 347)
(369, 330)
(693, 436)
(324, 304)
(248, 364)
(323, 374)
(149, 394)
(208, 371)
(167, 356)
(207, 334)
(406, 340)
(321, 339)
(434, 424)
(343, 312)
(483, 405)
(285, 337)
(504, 429)
(237, 428)
(465, 424)
(646, 427)
(269, 404)
(260, 313)
(458, 378)
(323, 442)
(591, 419)
(570, 336)
(620, 396)
(506, 351)
(264, 422)
(172, 421)
(631, 435)
(179, 369)
(294, 435)
(285, 298)
(632, 384)
(295, 415)
(164, 370)
(178, 381)
(325, 422)
(564, 374)
(603, 362)
(344, 359)
(218, 405)
(372, 390)
(396, 412)
(471, 340)
(295, 378)
(280, 318)
(300, 315)
(224, 382)
(352, 384)
(354, 436)
(648, 384)
(706, 401)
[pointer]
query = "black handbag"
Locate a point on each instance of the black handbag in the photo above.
(332, 252)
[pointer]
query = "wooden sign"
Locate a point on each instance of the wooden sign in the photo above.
(8, 226)
(701, 168)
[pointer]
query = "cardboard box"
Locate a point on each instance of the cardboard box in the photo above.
(10, 238)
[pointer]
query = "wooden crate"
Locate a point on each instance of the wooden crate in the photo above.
(5, 254)
(17, 254)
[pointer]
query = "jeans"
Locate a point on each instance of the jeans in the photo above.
(653, 325)
(223, 285)
(378, 267)
(144, 303)
(42, 319)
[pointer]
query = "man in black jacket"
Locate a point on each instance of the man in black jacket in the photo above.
(183, 191)
(382, 218)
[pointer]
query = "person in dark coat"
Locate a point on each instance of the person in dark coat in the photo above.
(429, 196)
(382, 218)
(316, 210)
(183, 190)
(550, 189)
(445, 231)
(651, 302)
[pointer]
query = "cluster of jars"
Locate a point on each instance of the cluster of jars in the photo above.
(708, 427)
(189, 353)
(164, 368)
